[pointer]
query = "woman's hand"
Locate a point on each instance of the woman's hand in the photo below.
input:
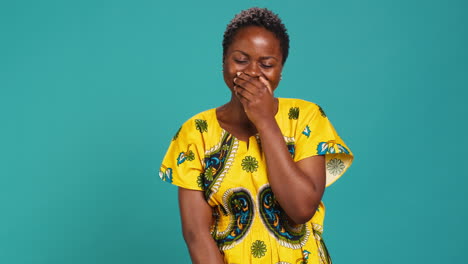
(256, 96)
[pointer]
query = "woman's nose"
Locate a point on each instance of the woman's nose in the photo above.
(253, 70)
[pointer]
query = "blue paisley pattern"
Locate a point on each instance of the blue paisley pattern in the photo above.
(238, 204)
(215, 164)
(277, 223)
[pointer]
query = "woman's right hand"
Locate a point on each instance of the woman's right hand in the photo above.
(256, 95)
(197, 218)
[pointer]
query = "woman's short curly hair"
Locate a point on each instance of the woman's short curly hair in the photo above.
(258, 17)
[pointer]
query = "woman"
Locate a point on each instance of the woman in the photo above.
(251, 173)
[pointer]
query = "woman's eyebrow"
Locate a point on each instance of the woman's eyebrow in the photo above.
(261, 58)
(241, 52)
(268, 57)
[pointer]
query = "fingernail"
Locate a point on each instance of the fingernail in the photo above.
(235, 79)
(238, 73)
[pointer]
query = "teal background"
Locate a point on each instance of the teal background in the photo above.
(91, 93)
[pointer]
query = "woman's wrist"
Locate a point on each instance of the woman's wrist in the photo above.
(266, 125)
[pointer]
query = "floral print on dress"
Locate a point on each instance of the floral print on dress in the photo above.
(258, 249)
(201, 125)
(187, 155)
(335, 166)
(249, 164)
(293, 113)
(201, 181)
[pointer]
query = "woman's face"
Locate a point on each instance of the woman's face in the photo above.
(254, 51)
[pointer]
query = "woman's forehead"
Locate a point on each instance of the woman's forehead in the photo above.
(255, 39)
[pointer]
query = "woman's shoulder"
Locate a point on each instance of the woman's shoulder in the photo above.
(201, 117)
(200, 125)
(294, 105)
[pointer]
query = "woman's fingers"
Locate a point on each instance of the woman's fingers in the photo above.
(243, 93)
(246, 84)
(252, 84)
(266, 83)
(256, 96)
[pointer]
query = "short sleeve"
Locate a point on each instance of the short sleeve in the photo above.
(317, 136)
(182, 164)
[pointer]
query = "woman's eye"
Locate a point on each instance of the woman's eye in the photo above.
(240, 61)
(267, 65)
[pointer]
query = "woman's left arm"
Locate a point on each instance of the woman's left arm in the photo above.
(298, 186)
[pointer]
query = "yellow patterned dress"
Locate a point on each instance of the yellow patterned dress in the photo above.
(250, 226)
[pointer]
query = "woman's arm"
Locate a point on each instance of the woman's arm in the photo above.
(298, 187)
(196, 216)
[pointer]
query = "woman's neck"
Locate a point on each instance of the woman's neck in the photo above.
(236, 113)
(233, 118)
